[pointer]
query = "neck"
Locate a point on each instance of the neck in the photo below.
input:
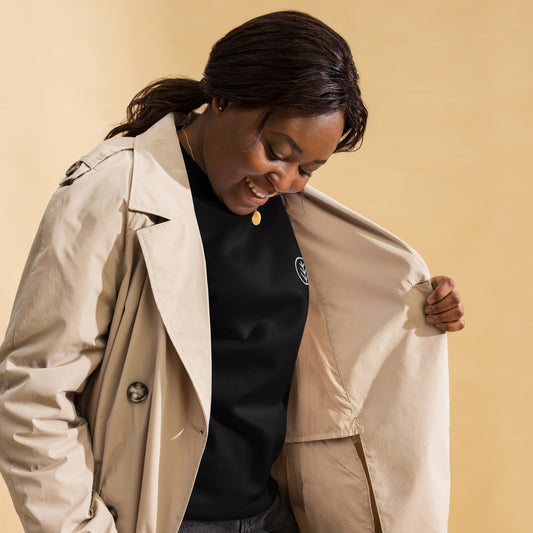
(195, 137)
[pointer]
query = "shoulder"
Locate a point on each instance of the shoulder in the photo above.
(146, 171)
(91, 200)
(97, 184)
(106, 164)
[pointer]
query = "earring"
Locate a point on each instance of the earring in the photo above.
(220, 108)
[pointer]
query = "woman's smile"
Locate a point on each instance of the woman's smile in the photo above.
(257, 191)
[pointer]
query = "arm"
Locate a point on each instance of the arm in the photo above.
(55, 340)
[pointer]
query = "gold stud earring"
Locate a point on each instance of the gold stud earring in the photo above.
(220, 108)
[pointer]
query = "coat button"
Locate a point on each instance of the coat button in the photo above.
(113, 512)
(73, 168)
(137, 392)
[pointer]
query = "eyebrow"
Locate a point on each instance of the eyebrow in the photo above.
(292, 142)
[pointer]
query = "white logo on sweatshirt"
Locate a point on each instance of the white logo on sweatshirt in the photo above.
(301, 270)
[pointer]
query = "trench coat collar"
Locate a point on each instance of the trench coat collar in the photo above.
(173, 250)
(157, 154)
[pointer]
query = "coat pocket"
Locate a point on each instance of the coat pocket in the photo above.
(328, 486)
(358, 445)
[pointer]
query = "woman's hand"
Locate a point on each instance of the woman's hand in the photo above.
(444, 309)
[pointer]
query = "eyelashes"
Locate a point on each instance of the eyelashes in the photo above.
(272, 156)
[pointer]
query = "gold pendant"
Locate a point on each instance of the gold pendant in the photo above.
(256, 218)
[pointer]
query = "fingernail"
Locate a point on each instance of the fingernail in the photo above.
(431, 300)
(432, 319)
(429, 310)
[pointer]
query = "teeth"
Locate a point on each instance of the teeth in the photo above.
(252, 187)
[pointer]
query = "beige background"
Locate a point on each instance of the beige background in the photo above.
(446, 165)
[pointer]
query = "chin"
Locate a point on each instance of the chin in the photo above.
(241, 210)
(243, 207)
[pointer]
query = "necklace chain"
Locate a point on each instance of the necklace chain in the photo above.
(188, 143)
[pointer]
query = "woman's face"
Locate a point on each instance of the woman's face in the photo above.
(246, 167)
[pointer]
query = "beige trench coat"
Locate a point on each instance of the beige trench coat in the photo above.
(105, 373)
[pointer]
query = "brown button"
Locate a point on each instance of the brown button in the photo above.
(137, 392)
(113, 512)
(73, 168)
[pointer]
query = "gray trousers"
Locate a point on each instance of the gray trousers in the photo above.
(276, 519)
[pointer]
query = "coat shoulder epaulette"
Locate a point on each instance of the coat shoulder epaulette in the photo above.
(88, 162)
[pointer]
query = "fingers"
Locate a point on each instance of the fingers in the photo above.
(451, 320)
(442, 286)
(450, 301)
(456, 325)
(444, 309)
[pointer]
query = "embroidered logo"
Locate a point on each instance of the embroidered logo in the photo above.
(301, 270)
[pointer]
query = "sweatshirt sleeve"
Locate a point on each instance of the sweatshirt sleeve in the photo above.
(55, 339)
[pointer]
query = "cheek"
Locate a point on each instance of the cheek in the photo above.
(232, 160)
(256, 162)
(242, 164)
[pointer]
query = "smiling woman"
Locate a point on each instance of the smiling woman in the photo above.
(173, 364)
(245, 169)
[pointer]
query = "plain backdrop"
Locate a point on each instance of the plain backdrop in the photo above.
(446, 164)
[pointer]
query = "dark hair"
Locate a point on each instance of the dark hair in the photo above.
(282, 60)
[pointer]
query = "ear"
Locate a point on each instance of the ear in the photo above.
(218, 105)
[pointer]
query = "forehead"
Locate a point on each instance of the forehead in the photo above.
(310, 133)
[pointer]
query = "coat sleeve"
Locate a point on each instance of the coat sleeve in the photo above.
(55, 340)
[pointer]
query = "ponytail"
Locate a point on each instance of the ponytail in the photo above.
(180, 95)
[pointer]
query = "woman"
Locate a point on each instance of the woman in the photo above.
(166, 298)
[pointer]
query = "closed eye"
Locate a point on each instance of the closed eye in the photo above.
(272, 156)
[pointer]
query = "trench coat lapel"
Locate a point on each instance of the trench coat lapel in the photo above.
(173, 251)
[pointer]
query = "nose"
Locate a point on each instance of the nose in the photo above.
(287, 180)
